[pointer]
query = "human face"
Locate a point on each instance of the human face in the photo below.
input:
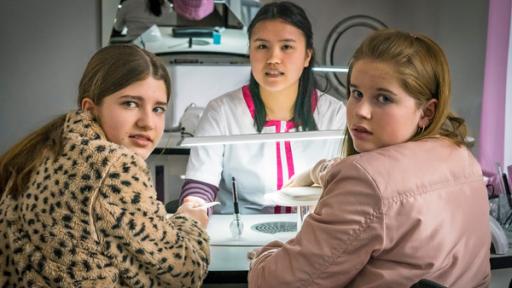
(379, 112)
(134, 116)
(278, 55)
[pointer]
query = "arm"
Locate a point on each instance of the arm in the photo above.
(134, 233)
(199, 189)
(205, 164)
(347, 222)
(314, 176)
(203, 191)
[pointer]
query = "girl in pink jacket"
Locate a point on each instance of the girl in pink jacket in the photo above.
(408, 202)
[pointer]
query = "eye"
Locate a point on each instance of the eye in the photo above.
(129, 104)
(356, 94)
(261, 46)
(160, 109)
(287, 47)
(384, 99)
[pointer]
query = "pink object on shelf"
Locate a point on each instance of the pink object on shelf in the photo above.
(193, 9)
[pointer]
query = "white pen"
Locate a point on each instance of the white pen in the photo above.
(208, 205)
(205, 206)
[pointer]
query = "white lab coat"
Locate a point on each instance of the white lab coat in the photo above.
(259, 168)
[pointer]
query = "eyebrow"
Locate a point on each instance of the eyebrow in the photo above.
(282, 40)
(141, 99)
(378, 89)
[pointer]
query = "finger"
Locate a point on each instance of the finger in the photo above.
(251, 255)
(187, 200)
(291, 181)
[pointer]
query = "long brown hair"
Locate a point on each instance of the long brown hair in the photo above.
(110, 69)
(423, 72)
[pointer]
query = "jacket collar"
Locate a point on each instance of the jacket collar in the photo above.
(83, 124)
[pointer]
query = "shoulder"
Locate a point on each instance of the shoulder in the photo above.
(427, 152)
(87, 148)
(417, 165)
(230, 99)
(328, 104)
(330, 112)
(324, 98)
(224, 109)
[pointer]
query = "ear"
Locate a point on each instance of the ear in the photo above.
(309, 53)
(88, 105)
(428, 111)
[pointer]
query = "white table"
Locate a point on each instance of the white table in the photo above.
(229, 254)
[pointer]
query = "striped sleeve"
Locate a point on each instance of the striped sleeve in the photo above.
(199, 189)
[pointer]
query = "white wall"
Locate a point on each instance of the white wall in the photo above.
(46, 44)
(44, 49)
(459, 27)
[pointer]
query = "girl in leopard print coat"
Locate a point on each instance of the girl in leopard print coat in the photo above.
(77, 206)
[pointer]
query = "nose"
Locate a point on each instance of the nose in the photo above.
(363, 109)
(146, 119)
(274, 56)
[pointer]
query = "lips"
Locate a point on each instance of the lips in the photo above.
(360, 132)
(361, 129)
(273, 73)
(141, 139)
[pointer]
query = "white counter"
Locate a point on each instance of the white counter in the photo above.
(233, 41)
(229, 254)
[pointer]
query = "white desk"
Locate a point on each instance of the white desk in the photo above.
(229, 254)
(233, 42)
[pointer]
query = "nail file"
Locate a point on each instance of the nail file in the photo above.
(208, 205)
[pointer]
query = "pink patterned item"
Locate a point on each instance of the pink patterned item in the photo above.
(193, 9)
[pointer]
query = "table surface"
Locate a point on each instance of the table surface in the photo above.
(229, 253)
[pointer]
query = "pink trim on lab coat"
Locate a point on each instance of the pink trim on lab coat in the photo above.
(288, 149)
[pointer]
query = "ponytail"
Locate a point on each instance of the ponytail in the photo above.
(21, 160)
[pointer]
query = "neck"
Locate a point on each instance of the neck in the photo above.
(279, 105)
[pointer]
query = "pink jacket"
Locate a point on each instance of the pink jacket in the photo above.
(389, 218)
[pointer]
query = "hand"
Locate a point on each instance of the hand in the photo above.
(302, 179)
(252, 255)
(256, 253)
(319, 169)
(309, 177)
(190, 208)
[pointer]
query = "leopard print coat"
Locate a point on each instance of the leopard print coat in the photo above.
(90, 218)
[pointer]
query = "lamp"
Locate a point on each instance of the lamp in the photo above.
(263, 137)
(330, 69)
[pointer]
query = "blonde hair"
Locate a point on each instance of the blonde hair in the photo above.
(110, 69)
(423, 72)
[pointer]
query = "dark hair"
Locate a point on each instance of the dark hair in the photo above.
(155, 6)
(110, 69)
(296, 16)
(423, 72)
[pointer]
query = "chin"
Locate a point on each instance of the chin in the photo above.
(142, 153)
(363, 148)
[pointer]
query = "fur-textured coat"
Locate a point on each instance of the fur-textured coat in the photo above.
(90, 218)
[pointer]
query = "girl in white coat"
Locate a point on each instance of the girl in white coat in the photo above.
(280, 97)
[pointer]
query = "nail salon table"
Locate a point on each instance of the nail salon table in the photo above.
(229, 263)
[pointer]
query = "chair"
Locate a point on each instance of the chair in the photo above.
(425, 283)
